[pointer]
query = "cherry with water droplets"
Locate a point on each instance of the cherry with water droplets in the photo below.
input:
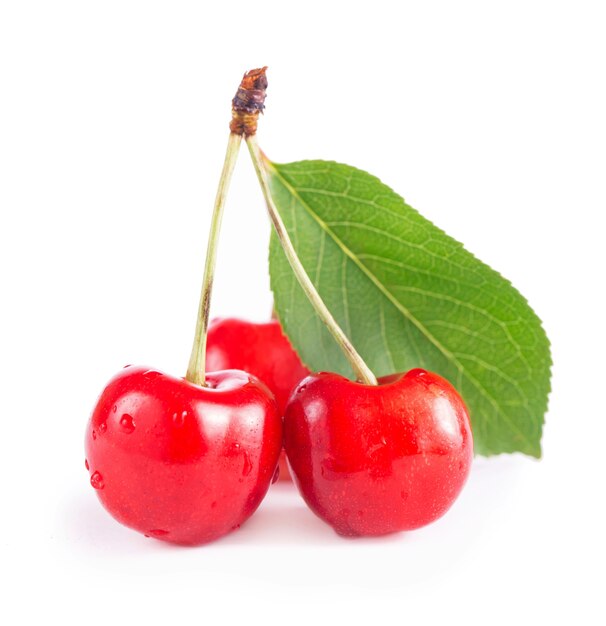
(163, 447)
(153, 471)
(399, 452)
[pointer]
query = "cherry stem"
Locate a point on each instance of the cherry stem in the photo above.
(361, 370)
(196, 371)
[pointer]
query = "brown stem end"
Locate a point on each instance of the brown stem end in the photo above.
(248, 102)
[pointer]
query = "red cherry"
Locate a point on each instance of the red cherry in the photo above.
(261, 349)
(371, 460)
(179, 462)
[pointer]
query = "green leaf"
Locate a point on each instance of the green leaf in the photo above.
(407, 295)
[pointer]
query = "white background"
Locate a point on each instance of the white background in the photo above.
(489, 117)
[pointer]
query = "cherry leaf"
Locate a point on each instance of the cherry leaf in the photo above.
(407, 295)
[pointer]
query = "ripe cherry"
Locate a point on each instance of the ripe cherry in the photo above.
(261, 349)
(181, 462)
(375, 459)
(188, 460)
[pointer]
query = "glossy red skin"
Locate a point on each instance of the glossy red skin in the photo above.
(372, 460)
(179, 462)
(261, 349)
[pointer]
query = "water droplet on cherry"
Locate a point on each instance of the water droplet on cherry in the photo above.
(115, 408)
(94, 434)
(96, 480)
(102, 428)
(151, 374)
(86, 464)
(127, 423)
(179, 419)
(247, 469)
(157, 532)
(301, 389)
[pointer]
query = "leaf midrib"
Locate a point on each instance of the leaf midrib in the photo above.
(403, 310)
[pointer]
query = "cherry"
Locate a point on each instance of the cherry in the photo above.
(180, 462)
(375, 459)
(188, 460)
(261, 349)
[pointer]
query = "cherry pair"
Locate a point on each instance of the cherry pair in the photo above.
(187, 464)
(188, 460)
(369, 460)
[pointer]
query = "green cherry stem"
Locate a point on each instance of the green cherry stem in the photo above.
(246, 106)
(196, 371)
(361, 370)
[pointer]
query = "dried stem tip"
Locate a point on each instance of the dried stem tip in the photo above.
(248, 102)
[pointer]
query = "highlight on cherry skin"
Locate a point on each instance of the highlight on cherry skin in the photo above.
(180, 462)
(263, 350)
(371, 460)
